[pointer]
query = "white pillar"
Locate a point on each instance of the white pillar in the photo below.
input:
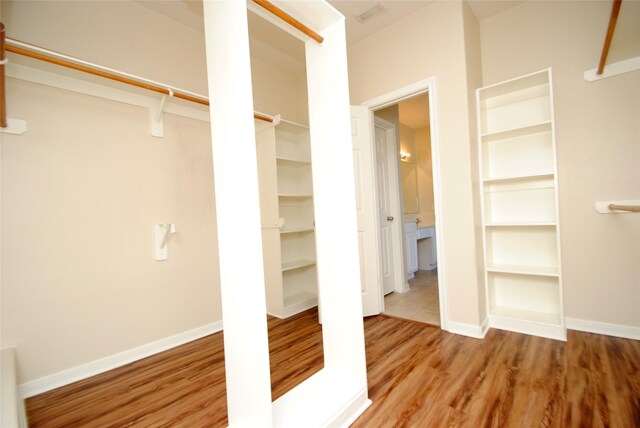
(335, 205)
(238, 212)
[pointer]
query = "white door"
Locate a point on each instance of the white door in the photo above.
(386, 214)
(366, 212)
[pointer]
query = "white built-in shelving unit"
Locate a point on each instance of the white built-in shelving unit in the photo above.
(520, 206)
(288, 232)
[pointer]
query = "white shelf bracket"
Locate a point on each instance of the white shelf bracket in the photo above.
(157, 122)
(15, 126)
(161, 234)
(615, 69)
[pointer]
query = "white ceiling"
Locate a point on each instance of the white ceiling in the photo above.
(275, 46)
(394, 10)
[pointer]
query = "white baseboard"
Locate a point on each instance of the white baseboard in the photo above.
(65, 377)
(470, 330)
(617, 330)
(485, 327)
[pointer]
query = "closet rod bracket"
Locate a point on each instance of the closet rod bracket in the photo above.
(15, 126)
(157, 120)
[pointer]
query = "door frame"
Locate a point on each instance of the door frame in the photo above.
(397, 242)
(394, 97)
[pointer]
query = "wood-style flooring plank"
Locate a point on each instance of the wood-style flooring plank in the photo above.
(418, 375)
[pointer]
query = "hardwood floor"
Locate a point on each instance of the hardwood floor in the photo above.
(419, 376)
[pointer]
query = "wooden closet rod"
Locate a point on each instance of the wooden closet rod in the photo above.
(45, 55)
(630, 208)
(270, 7)
(615, 10)
(3, 101)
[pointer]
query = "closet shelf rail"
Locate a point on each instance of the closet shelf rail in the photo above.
(275, 10)
(613, 20)
(618, 207)
(630, 208)
(46, 55)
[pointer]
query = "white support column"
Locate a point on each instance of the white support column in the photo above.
(335, 205)
(246, 344)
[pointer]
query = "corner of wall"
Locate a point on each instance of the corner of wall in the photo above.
(473, 63)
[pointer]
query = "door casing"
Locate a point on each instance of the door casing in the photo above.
(394, 97)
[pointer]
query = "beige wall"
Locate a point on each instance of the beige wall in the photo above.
(81, 191)
(417, 142)
(597, 131)
(83, 187)
(473, 61)
(431, 43)
(425, 176)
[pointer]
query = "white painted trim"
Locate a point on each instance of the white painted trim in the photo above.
(356, 414)
(23, 422)
(616, 330)
(485, 327)
(427, 85)
(74, 374)
(343, 399)
(550, 331)
(615, 69)
(469, 330)
(10, 403)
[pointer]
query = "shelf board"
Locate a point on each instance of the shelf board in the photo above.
(520, 131)
(297, 230)
(518, 314)
(297, 264)
(291, 162)
(522, 224)
(519, 177)
(524, 270)
(294, 196)
(529, 82)
(292, 127)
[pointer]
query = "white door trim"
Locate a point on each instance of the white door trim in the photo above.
(394, 97)
(399, 277)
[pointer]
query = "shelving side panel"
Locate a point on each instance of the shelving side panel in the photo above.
(297, 213)
(522, 246)
(267, 174)
(528, 154)
(272, 269)
(521, 201)
(294, 180)
(536, 294)
(297, 246)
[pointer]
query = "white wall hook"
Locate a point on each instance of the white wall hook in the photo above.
(157, 122)
(161, 235)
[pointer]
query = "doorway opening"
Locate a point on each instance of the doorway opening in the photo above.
(408, 198)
